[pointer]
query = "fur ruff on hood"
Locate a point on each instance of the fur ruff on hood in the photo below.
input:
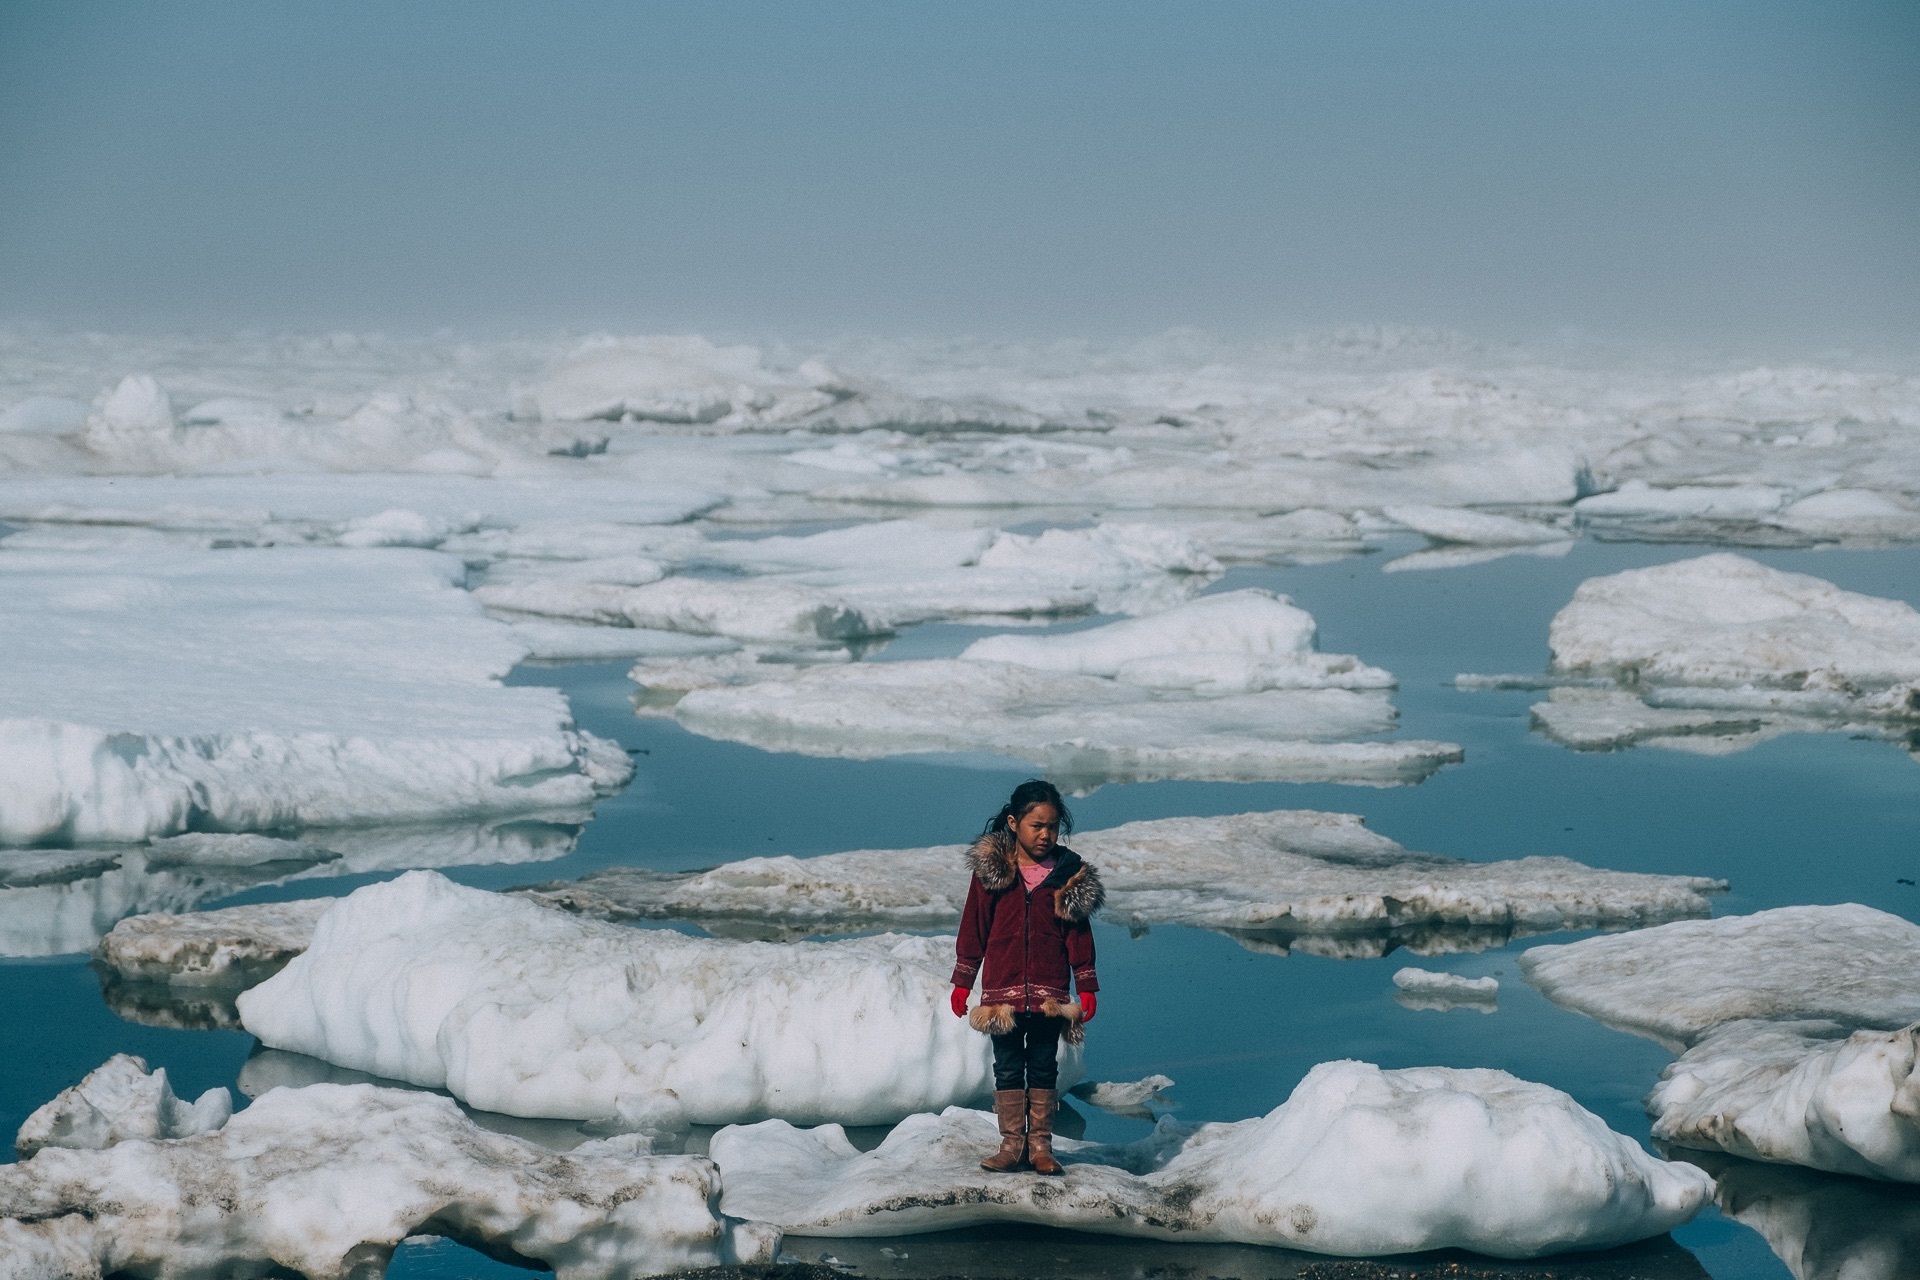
(1077, 891)
(997, 1019)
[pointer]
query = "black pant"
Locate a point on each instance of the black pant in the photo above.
(1027, 1057)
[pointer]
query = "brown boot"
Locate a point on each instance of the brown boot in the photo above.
(1041, 1104)
(1010, 1107)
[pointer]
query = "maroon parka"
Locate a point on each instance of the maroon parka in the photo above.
(1026, 946)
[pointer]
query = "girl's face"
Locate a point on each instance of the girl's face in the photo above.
(1036, 831)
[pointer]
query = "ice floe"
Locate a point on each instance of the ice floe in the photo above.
(1797, 1026)
(1717, 653)
(517, 1008)
(1475, 528)
(1358, 1161)
(1424, 989)
(228, 947)
(152, 694)
(118, 1100)
(62, 901)
(328, 1180)
(1222, 688)
(1282, 873)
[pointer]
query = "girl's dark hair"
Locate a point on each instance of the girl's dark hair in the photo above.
(1032, 792)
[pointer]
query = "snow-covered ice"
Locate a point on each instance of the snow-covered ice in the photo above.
(1357, 1161)
(1718, 653)
(1243, 641)
(1424, 989)
(151, 694)
(1809, 1093)
(1222, 688)
(328, 1180)
(1284, 872)
(1081, 730)
(1724, 621)
(1476, 528)
(118, 1100)
(1797, 1026)
(514, 1007)
(1848, 964)
(1127, 1098)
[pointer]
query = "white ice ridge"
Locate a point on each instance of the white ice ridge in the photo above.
(1293, 871)
(62, 901)
(150, 694)
(1797, 1026)
(517, 1008)
(118, 1100)
(1223, 688)
(328, 1180)
(1358, 1161)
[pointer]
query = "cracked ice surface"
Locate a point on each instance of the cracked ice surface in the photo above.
(517, 1008)
(1797, 1027)
(1296, 871)
(1357, 1161)
(153, 693)
(328, 1180)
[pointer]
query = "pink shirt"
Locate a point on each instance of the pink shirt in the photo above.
(1034, 874)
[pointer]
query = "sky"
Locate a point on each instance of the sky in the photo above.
(1019, 170)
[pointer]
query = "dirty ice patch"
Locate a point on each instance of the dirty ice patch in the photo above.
(328, 1180)
(1296, 872)
(154, 694)
(514, 1007)
(1358, 1161)
(1797, 1027)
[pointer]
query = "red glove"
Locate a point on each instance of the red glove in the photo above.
(1088, 1003)
(959, 1002)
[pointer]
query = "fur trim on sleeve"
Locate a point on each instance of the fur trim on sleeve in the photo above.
(991, 860)
(1080, 896)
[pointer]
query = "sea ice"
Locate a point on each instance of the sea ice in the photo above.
(1237, 642)
(744, 609)
(1083, 730)
(1848, 964)
(1717, 653)
(1478, 528)
(1723, 620)
(63, 901)
(154, 694)
(1289, 871)
(1797, 1026)
(231, 946)
(1358, 1161)
(328, 1180)
(1426, 990)
(1636, 498)
(118, 1100)
(517, 1008)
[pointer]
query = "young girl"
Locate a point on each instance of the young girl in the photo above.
(1026, 923)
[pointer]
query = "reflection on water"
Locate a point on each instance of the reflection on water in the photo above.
(1824, 1226)
(1235, 1022)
